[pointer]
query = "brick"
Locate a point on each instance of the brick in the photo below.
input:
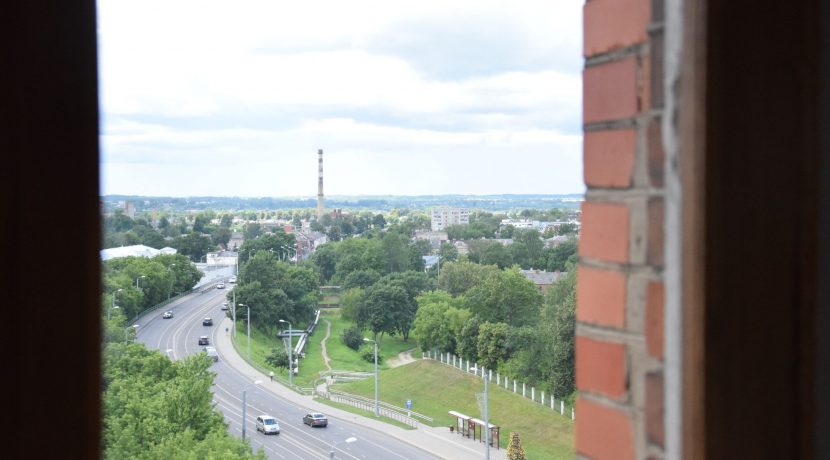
(644, 84)
(609, 91)
(613, 24)
(605, 231)
(603, 432)
(656, 154)
(608, 158)
(655, 319)
(600, 297)
(601, 367)
(655, 431)
(655, 244)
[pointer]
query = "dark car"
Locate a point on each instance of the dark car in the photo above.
(315, 419)
(207, 322)
(167, 315)
(204, 340)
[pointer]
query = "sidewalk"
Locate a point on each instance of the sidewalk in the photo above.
(436, 440)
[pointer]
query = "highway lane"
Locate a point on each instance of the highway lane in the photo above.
(178, 337)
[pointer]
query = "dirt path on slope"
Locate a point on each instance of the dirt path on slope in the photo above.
(323, 345)
(404, 357)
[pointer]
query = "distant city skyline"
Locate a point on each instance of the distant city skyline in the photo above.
(405, 98)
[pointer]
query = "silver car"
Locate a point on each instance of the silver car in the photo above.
(267, 424)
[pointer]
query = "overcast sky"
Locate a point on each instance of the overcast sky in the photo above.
(233, 98)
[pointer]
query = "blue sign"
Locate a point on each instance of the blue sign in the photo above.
(409, 404)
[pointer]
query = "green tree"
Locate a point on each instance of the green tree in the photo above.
(252, 231)
(556, 258)
(379, 221)
(508, 297)
(386, 301)
(467, 340)
(156, 408)
(353, 307)
(277, 357)
(361, 279)
(496, 254)
(491, 345)
(325, 258)
(459, 277)
(396, 252)
(447, 252)
(438, 321)
(221, 235)
(192, 245)
(559, 317)
(533, 241)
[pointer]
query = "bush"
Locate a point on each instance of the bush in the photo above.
(277, 358)
(367, 352)
(352, 338)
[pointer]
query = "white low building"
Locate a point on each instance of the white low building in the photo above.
(138, 250)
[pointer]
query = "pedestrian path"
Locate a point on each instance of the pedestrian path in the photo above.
(404, 357)
(326, 359)
(438, 441)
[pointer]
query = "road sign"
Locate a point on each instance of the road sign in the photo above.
(409, 404)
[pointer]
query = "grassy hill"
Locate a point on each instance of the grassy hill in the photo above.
(435, 389)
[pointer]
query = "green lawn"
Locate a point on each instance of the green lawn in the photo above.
(342, 357)
(434, 388)
(438, 389)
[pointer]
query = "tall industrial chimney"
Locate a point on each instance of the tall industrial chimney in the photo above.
(319, 184)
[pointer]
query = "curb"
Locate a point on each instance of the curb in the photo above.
(429, 439)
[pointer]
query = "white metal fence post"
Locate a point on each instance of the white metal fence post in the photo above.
(533, 394)
(514, 385)
(523, 390)
(562, 407)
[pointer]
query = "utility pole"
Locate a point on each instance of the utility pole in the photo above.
(486, 419)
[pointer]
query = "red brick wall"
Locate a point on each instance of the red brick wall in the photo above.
(619, 345)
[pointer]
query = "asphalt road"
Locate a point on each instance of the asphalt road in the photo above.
(178, 337)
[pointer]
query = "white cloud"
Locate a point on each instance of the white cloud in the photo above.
(194, 91)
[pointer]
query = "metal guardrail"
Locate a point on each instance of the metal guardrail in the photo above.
(382, 404)
(369, 406)
(158, 306)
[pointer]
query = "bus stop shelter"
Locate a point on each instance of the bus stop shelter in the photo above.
(472, 427)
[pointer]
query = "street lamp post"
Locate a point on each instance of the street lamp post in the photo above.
(290, 355)
(245, 404)
(170, 292)
(377, 412)
(249, 328)
(486, 419)
(347, 441)
(233, 312)
(109, 312)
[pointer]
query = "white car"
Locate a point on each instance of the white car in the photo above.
(211, 352)
(267, 424)
(232, 279)
(220, 286)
